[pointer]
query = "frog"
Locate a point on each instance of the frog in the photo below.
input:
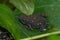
(36, 21)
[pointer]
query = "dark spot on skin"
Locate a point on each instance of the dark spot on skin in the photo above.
(38, 21)
(5, 34)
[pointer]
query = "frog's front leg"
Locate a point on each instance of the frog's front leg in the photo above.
(29, 27)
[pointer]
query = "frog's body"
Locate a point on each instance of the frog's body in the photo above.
(34, 21)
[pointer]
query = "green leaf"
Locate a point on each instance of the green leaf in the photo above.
(53, 37)
(25, 33)
(8, 21)
(52, 34)
(52, 9)
(25, 6)
(49, 7)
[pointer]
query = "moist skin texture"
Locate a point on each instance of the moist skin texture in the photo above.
(37, 21)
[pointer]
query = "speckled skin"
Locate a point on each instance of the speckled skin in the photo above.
(5, 35)
(37, 21)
